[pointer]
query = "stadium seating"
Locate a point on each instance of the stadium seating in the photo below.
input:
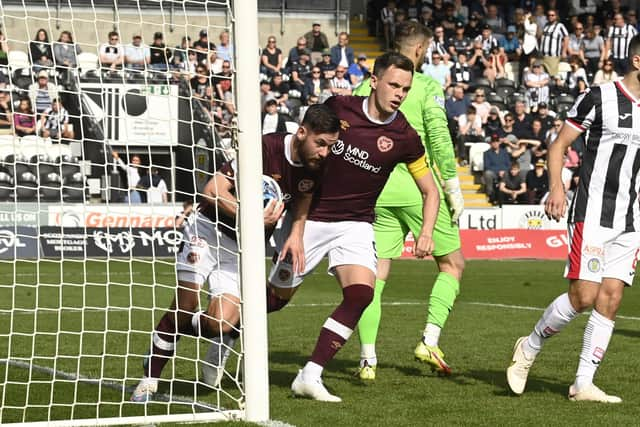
(50, 185)
(6, 186)
(26, 187)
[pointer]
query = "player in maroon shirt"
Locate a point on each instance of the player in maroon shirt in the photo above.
(374, 138)
(208, 253)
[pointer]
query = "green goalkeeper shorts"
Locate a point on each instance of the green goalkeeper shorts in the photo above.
(393, 223)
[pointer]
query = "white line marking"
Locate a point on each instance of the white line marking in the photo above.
(25, 311)
(203, 406)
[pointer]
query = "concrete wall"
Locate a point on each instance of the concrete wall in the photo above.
(90, 26)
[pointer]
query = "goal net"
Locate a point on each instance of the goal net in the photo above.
(113, 117)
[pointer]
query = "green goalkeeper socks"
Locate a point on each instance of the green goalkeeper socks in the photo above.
(370, 320)
(444, 293)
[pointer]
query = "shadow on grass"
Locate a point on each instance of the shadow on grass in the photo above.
(627, 333)
(498, 379)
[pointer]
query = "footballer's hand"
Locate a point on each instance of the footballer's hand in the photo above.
(293, 250)
(455, 200)
(273, 212)
(423, 246)
(556, 204)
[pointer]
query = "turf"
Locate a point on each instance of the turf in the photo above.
(499, 302)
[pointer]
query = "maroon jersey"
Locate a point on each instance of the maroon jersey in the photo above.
(360, 162)
(292, 178)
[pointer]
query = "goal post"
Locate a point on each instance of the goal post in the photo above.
(250, 183)
(88, 261)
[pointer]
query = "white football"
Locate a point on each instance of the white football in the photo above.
(270, 190)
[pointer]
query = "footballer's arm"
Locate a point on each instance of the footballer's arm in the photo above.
(295, 244)
(218, 191)
(556, 204)
(431, 201)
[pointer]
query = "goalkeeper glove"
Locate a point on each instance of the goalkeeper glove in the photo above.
(453, 194)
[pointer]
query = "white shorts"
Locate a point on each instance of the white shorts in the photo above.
(344, 242)
(206, 255)
(596, 252)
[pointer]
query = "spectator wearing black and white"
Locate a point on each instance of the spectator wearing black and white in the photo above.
(160, 53)
(201, 88)
(272, 120)
(537, 84)
(136, 55)
(111, 54)
(460, 42)
(583, 7)
(487, 40)
(340, 84)
(40, 51)
(54, 122)
(280, 91)
(577, 74)
(315, 84)
(438, 45)
(474, 26)
(461, 73)
(554, 42)
(617, 44)
(42, 92)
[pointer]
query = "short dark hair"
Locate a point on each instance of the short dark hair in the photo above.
(319, 118)
(634, 48)
(410, 30)
(394, 59)
(113, 33)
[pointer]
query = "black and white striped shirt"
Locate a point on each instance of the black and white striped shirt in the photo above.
(607, 195)
(552, 38)
(487, 44)
(619, 39)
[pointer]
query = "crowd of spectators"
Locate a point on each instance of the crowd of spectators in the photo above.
(510, 71)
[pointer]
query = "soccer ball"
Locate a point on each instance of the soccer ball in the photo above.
(270, 190)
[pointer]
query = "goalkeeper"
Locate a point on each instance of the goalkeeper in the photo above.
(399, 210)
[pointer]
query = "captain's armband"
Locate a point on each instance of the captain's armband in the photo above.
(418, 168)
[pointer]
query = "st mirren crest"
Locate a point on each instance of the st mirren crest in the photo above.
(344, 125)
(305, 185)
(385, 144)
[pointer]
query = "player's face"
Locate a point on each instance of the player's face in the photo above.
(391, 88)
(315, 147)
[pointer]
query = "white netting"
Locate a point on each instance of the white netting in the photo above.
(86, 272)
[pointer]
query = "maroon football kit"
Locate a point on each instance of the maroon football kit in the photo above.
(292, 178)
(360, 162)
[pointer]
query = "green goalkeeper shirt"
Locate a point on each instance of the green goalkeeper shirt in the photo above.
(424, 110)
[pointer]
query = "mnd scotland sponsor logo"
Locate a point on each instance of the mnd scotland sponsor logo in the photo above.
(354, 155)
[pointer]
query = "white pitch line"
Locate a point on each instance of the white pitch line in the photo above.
(117, 386)
(6, 312)
(108, 384)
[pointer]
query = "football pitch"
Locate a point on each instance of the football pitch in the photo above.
(499, 301)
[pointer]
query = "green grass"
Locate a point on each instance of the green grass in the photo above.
(477, 340)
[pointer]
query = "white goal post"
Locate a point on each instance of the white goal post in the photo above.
(87, 260)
